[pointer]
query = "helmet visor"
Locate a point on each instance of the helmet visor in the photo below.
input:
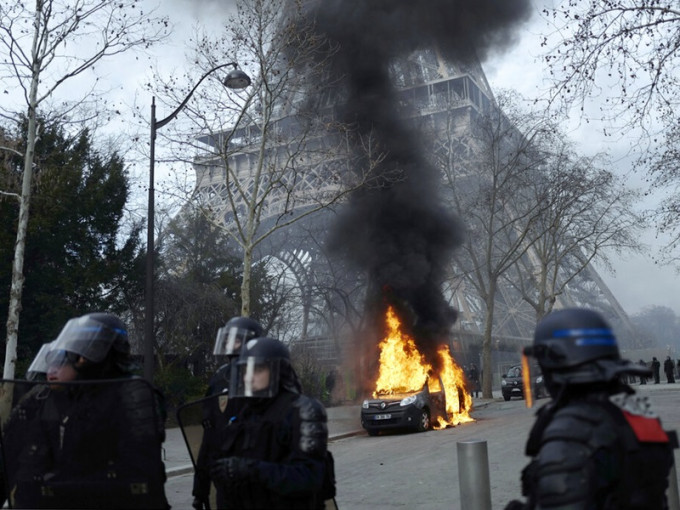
(230, 340)
(86, 337)
(256, 377)
(39, 363)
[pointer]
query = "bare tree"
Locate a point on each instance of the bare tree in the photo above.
(663, 169)
(44, 48)
(489, 170)
(623, 55)
(631, 44)
(267, 156)
(588, 215)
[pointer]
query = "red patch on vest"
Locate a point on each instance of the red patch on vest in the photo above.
(647, 430)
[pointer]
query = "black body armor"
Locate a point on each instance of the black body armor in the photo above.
(90, 445)
(287, 436)
(600, 453)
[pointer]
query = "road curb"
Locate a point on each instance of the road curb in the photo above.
(344, 435)
(179, 470)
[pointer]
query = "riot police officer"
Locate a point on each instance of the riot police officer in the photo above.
(228, 343)
(95, 442)
(596, 444)
(272, 454)
(230, 338)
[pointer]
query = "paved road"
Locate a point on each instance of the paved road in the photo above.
(421, 470)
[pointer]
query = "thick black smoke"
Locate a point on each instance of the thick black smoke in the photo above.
(398, 230)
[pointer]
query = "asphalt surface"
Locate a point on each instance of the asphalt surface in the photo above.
(343, 421)
(356, 458)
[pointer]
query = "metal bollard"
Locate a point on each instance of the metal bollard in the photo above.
(473, 475)
(672, 492)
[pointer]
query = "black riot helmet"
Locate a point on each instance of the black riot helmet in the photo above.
(263, 369)
(101, 339)
(234, 334)
(576, 346)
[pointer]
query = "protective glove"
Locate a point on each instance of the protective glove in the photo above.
(232, 471)
(200, 504)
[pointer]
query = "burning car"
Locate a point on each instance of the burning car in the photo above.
(409, 392)
(417, 411)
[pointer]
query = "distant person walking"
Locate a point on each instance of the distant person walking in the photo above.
(656, 366)
(669, 369)
(473, 376)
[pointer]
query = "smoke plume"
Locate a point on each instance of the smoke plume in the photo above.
(398, 230)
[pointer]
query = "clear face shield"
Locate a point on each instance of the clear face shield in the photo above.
(256, 377)
(61, 365)
(37, 370)
(87, 338)
(229, 341)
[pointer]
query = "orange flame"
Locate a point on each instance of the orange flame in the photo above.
(403, 369)
(458, 401)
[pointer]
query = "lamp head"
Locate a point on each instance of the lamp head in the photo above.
(237, 79)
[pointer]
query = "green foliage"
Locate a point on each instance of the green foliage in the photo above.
(311, 373)
(73, 263)
(179, 386)
(198, 289)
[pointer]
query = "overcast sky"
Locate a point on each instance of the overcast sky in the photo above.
(638, 281)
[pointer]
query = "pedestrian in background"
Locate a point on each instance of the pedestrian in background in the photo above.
(669, 368)
(656, 367)
(473, 376)
(595, 445)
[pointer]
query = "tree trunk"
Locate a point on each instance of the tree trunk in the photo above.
(245, 282)
(487, 368)
(22, 227)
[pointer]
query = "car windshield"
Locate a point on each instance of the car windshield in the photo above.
(515, 372)
(393, 396)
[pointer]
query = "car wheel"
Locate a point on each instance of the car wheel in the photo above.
(424, 421)
(372, 432)
(506, 396)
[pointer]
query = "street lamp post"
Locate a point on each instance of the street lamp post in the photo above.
(236, 79)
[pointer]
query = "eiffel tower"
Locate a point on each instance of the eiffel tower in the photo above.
(429, 84)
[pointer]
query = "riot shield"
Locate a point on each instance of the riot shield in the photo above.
(201, 422)
(81, 444)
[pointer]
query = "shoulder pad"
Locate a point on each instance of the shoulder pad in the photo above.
(310, 409)
(313, 431)
(583, 423)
